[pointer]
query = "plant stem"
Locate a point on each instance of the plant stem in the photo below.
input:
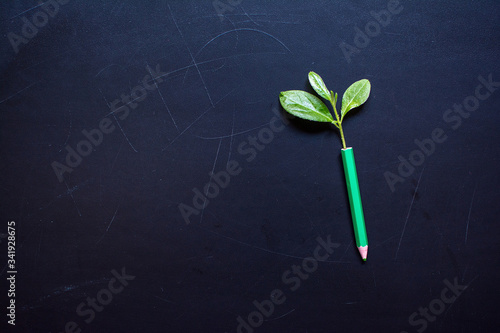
(342, 136)
(339, 121)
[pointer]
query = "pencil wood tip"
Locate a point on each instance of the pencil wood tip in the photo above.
(363, 251)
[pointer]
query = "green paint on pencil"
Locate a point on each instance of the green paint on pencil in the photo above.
(307, 106)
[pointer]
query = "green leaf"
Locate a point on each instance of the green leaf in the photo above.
(334, 97)
(355, 95)
(305, 105)
(319, 86)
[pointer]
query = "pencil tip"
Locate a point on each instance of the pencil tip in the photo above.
(363, 250)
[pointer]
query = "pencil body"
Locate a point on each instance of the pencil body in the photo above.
(358, 219)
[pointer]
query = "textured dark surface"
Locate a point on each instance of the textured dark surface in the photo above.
(222, 76)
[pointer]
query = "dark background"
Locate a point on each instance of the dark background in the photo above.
(223, 75)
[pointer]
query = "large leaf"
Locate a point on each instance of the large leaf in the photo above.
(319, 86)
(305, 105)
(355, 95)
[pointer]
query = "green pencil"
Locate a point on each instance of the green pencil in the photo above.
(358, 219)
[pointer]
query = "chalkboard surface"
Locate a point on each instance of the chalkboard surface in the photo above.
(152, 182)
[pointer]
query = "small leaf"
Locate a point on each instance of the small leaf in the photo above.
(334, 97)
(319, 86)
(305, 105)
(355, 95)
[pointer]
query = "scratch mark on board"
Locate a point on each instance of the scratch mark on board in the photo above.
(251, 19)
(70, 193)
(164, 103)
(213, 60)
(165, 300)
(244, 29)
(211, 176)
(232, 136)
(69, 131)
(266, 250)
(225, 59)
(409, 211)
(117, 122)
(189, 126)
(17, 93)
(116, 157)
(192, 58)
(110, 223)
(27, 10)
(468, 217)
(232, 133)
(286, 314)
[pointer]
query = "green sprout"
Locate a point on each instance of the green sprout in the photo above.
(307, 106)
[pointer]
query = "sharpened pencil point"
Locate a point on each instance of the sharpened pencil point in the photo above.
(363, 250)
